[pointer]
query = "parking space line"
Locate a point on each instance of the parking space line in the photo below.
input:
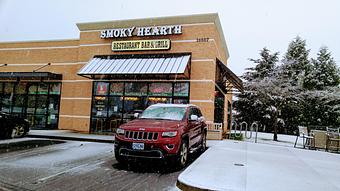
(68, 170)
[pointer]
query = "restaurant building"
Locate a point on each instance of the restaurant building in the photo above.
(117, 68)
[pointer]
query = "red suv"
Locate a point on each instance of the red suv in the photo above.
(162, 131)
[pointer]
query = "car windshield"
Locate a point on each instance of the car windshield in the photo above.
(166, 113)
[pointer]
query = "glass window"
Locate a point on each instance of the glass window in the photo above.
(40, 121)
(98, 124)
(136, 89)
(55, 88)
(6, 103)
(53, 108)
(160, 89)
(181, 101)
(117, 89)
(21, 99)
(8, 88)
(115, 112)
(7, 98)
(109, 99)
(181, 89)
(101, 88)
(41, 105)
(30, 104)
(30, 119)
(115, 107)
(19, 103)
(32, 89)
(43, 88)
(20, 88)
(53, 105)
(133, 105)
(154, 100)
(99, 106)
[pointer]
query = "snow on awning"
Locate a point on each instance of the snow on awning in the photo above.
(125, 65)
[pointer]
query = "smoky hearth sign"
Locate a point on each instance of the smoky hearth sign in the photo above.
(141, 31)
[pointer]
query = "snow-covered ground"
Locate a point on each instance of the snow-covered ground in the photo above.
(76, 165)
(236, 165)
(267, 138)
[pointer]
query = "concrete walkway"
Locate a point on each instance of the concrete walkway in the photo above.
(235, 166)
(70, 135)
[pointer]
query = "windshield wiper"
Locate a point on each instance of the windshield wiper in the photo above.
(159, 119)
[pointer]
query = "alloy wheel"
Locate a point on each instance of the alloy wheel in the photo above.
(204, 142)
(19, 130)
(184, 154)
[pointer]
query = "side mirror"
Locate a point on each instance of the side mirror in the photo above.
(136, 115)
(201, 119)
(193, 118)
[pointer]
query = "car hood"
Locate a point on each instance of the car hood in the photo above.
(151, 125)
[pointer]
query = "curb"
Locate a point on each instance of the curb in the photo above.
(187, 187)
(71, 138)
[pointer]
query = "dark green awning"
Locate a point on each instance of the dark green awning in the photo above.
(231, 78)
(29, 76)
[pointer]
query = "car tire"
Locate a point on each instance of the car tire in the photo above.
(119, 158)
(204, 142)
(20, 130)
(183, 154)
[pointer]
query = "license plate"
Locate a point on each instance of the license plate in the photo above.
(138, 146)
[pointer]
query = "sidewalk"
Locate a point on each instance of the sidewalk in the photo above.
(248, 166)
(70, 135)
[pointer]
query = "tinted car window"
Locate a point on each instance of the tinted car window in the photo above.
(195, 111)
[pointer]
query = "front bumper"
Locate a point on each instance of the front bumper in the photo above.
(150, 154)
(150, 151)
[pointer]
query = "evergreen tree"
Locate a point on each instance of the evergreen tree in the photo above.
(255, 99)
(264, 65)
(295, 61)
(323, 73)
(321, 108)
(298, 92)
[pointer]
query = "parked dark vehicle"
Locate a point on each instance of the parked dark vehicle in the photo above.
(162, 131)
(12, 126)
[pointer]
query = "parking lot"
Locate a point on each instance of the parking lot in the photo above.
(43, 164)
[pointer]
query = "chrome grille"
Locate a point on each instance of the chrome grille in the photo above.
(141, 135)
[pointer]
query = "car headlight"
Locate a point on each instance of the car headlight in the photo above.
(169, 134)
(120, 131)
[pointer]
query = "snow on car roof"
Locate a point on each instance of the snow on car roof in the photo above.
(172, 105)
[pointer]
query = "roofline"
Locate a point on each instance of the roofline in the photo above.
(40, 41)
(152, 21)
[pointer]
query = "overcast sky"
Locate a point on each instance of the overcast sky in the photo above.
(248, 25)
